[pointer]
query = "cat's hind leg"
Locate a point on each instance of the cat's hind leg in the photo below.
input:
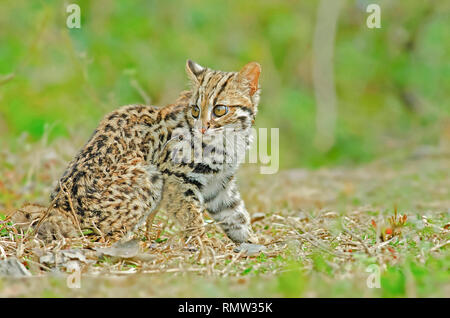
(123, 205)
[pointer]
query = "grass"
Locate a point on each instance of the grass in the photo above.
(325, 232)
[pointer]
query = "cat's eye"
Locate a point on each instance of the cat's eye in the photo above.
(195, 111)
(220, 110)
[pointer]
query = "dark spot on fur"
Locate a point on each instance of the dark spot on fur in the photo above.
(172, 116)
(204, 169)
(154, 178)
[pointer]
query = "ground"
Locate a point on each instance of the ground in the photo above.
(332, 232)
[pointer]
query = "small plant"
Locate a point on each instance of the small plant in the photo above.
(4, 225)
(87, 232)
(160, 240)
(396, 222)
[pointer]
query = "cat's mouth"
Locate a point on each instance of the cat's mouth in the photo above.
(216, 131)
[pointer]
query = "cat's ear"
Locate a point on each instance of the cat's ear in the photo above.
(249, 75)
(194, 70)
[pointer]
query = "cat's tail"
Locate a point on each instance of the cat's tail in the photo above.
(48, 223)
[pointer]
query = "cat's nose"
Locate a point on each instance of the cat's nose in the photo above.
(203, 130)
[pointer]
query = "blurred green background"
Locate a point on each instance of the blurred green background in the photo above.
(392, 84)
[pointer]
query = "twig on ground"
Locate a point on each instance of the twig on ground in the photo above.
(439, 246)
(64, 189)
(357, 237)
(224, 271)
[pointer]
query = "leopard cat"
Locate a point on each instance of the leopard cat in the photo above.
(133, 165)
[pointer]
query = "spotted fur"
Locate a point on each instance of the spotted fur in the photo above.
(141, 159)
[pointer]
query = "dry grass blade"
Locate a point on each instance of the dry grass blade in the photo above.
(366, 249)
(437, 247)
(74, 215)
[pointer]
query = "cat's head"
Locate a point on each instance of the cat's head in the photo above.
(223, 100)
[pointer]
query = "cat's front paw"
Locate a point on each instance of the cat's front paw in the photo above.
(253, 239)
(242, 235)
